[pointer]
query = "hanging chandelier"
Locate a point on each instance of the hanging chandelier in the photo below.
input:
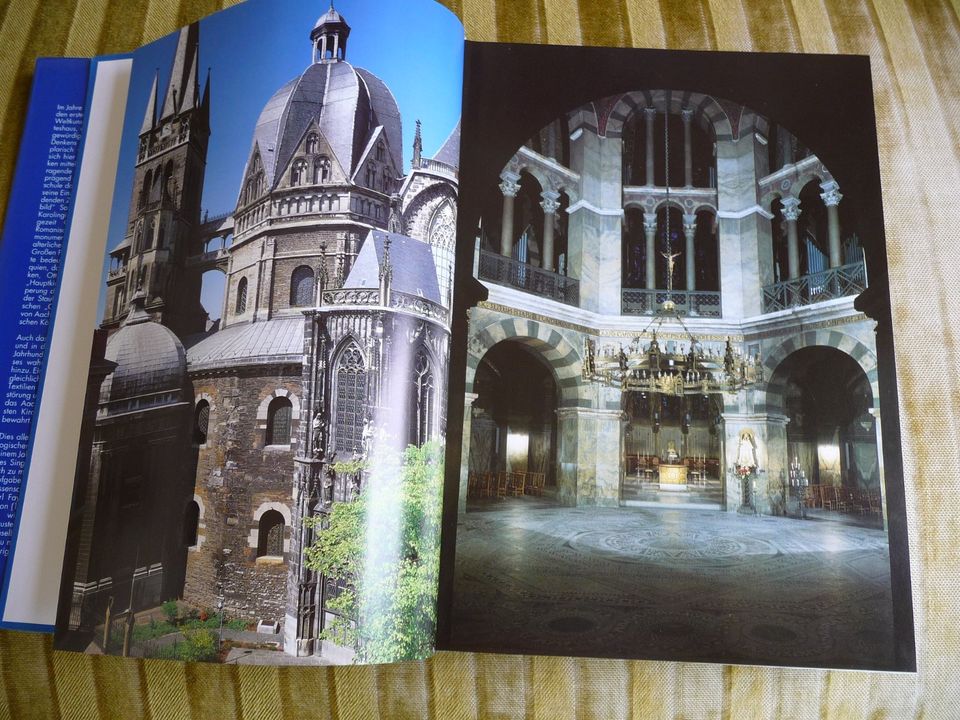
(645, 367)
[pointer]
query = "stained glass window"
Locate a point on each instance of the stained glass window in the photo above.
(351, 399)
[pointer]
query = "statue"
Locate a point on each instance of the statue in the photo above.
(622, 360)
(366, 439)
(673, 457)
(319, 437)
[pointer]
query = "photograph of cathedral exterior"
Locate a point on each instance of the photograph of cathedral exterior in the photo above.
(671, 401)
(217, 441)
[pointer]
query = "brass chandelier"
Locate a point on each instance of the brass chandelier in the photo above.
(646, 368)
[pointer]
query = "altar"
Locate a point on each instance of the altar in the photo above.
(673, 477)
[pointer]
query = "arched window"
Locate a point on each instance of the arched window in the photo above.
(168, 181)
(278, 421)
(423, 393)
(242, 296)
(145, 190)
(311, 146)
(386, 181)
(201, 421)
(191, 521)
(321, 169)
(298, 173)
(371, 177)
(270, 535)
(380, 152)
(351, 399)
(301, 287)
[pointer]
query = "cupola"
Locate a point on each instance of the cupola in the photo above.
(329, 37)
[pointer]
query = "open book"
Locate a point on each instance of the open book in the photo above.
(301, 368)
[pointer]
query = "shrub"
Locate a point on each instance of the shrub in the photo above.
(170, 610)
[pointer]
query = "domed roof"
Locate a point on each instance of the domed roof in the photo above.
(339, 97)
(151, 366)
(331, 17)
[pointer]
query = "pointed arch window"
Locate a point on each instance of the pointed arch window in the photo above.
(279, 413)
(301, 287)
(241, 296)
(351, 399)
(422, 400)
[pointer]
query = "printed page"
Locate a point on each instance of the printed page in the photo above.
(669, 444)
(260, 461)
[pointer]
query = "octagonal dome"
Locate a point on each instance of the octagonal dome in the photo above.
(348, 103)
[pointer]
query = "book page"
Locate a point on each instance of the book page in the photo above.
(675, 430)
(259, 472)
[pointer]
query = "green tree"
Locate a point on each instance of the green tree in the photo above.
(385, 546)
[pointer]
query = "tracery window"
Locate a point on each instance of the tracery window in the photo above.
(351, 399)
(423, 394)
(270, 534)
(301, 286)
(278, 421)
(242, 296)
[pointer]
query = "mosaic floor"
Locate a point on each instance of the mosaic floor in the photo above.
(671, 584)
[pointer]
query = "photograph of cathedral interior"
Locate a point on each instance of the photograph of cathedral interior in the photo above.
(251, 365)
(671, 443)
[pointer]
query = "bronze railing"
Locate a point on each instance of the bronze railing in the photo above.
(513, 273)
(809, 289)
(689, 303)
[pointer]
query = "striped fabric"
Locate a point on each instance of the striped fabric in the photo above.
(915, 51)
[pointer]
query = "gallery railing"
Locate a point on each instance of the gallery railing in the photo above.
(513, 273)
(689, 303)
(825, 285)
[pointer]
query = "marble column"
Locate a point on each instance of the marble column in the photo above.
(689, 231)
(650, 234)
(650, 114)
(509, 186)
(687, 116)
(550, 204)
(791, 214)
(590, 453)
(468, 399)
(831, 198)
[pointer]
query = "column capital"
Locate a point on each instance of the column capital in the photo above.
(511, 183)
(551, 201)
(650, 222)
(689, 223)
(650, 112)
(687, 115)
(831, 193)
(791, 208)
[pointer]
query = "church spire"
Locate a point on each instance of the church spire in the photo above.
(150, 116)
(182, 88)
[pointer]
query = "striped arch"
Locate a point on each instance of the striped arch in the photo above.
(564, 360)
(773, 399)
(707, 112)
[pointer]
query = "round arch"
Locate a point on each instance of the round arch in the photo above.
(708, 113)
(773, 398)
(562, 358)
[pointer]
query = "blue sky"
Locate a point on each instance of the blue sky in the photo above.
(414, 46)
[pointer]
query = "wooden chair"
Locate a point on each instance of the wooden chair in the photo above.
(503, 483)
(519, 483)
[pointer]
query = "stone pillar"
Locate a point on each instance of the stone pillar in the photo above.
(791, 213)
(689, 230)
(650, 233)
(550, 205)
(831, 198)
(650, 115)
(509, 187)
(880, 474)
(687, 116)
(468, 400)
(589, 456)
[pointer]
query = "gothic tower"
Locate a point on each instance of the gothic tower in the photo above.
(165, 203)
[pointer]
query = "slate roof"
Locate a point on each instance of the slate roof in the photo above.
(449, 153)
(150, 361)
(339, 97)
(260, 343)
(414, 271)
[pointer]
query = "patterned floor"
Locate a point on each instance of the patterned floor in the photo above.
(671, 584)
